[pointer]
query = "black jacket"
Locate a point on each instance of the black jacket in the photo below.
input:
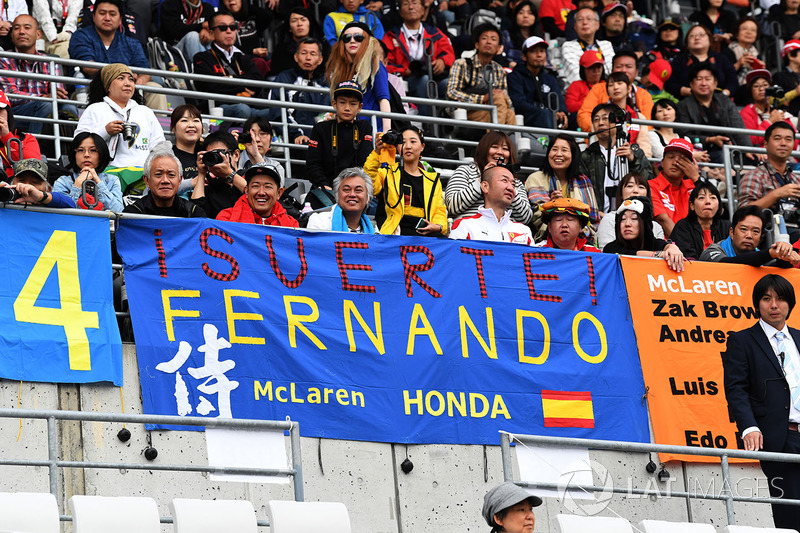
(688, 235)
(323, 163)
(729, 117)
(593, 165)
(180, 208)
(212, 62)
(174, 23)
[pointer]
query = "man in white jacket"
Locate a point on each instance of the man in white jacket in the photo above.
(587, 24)
(493, 221)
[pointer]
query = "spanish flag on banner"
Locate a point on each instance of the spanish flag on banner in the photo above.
(567, 409)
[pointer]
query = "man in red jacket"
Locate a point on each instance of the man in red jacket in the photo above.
(259, 203)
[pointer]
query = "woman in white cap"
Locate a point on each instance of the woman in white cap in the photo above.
(508, 508)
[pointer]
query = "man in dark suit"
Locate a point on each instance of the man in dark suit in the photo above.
(762, 385)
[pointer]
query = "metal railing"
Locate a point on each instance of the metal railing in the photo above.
(53, 463)
(726, 495)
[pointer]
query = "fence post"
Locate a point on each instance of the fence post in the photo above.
(297, 462)
(726, 489)
(287, 153)
(56, 126)
(505, 453)
(52, 455)
(726, 160)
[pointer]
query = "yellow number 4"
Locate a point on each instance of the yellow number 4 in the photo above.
(61, 252)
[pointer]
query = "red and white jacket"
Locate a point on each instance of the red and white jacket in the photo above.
(484, 226)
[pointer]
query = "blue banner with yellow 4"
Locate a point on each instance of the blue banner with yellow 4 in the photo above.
(381, 338)
(56, 302)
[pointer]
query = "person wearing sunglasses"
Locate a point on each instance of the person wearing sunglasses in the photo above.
(224, 59)
(789, 77)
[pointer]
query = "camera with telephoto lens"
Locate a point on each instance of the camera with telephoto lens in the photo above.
(619, 116)
(775, 91)
(245, 137)
(8, 194)
(213, 157)
(393, 137)
(128, 131)
(790, 214)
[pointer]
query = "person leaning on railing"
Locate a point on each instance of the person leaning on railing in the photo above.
(30, 182)
(88, 158)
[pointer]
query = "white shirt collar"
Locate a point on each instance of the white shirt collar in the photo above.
(771, 331)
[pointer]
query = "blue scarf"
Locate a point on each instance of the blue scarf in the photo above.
(727, 246)
(339, 223)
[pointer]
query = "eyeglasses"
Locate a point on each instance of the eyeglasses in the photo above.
(231, 27)
(357, 37)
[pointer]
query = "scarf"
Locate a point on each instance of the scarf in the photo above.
(339, 223)
(727, 247)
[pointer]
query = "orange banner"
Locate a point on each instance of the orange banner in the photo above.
(682, 323)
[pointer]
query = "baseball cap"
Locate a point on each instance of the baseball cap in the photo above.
(793, 44)
(504, 496)
(758, 73)
(532, 41)
(565, 205)
(614, 6)
(349, 88)
(680, 145)
(4, 100)
(591, 57)
(37, 166)
(263, 169)
(669, 22)
(660, 71)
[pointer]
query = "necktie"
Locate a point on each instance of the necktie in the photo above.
(789, 369)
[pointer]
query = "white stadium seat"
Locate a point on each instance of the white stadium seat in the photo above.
(308, 517)
(29, 512)
(213, 516)
(566, 523)
(100, 514)
(662, 526)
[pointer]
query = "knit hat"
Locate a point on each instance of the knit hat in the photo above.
(356, 24)
(110, 72)
(504, 496)
(565, 205)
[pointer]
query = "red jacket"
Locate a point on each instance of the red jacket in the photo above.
(398, 61)
(30, 150)
(576, 94)
(752, 121)
(241, 212)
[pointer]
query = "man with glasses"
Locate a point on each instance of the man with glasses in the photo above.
(224, 59)
(587, 23)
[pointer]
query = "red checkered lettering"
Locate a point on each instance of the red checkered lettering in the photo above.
(162, 257)
(344, 267)
(211, 273)
(273, 262)
(592, 288)
(410, 271)
(530, 276)
(479, 255)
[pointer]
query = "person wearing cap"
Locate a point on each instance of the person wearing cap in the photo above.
(613, 22)
(759, 114)
(340, 142)
(508, 508)
(669, 40)
(353, 191)
(163, 174)
(587, 24)
(530, 86)
(789, 77)
(634, 234)
(11, 140)
(468, 82)
(565, 219)
(224, 59)
(743, 51)
(706, 105)
(654, 75)
(30, 181)
(259, 204)
(493, 220)
(103, 41)
(639, 99)
(591, 73)
(351, 11)
(671, 188)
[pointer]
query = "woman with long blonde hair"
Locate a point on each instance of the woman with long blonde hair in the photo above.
(357, 56)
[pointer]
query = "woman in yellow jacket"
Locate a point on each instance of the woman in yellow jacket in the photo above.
(410, 198)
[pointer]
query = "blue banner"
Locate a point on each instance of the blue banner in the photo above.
(56, 303)
(377, 338)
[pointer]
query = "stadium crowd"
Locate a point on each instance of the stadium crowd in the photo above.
(586, 65)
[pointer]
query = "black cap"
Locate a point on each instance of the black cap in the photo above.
(349, 88)
(263, 169)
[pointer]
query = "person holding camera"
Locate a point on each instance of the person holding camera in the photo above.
(129, 128)
(760, 114)
(223, 185)
(30, 186)
(87, 184)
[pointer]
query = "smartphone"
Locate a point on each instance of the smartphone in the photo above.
(422, 223)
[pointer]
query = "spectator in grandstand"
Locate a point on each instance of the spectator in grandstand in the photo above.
(185, 25)
(356, 56)
(587, 23)
(741, 246)
(88, 158)
(561, 177)
(671, 188)
(554, 16)
(613, 23)
(619, 88)
(353, 191)
(591, 73)
(530, 86)
(743, 52)
(187, 126)
(351, 11)
(299, 25)
(58, 20)
(24, 33)
(787, 14)
(103, 41)
(789, 77)
(704, 225)
(12, 140)
(639, 98)
(698, 50)
(408, 46)
(341, 142)
(256, 151)
(410, 194)
(223, 183)
(760, 115)
(130, 129)
(508, 508)
(666, 110)
(305, 72)
(468, 80)
(439, 13)
(253, 21)
(565, 218)
(162, 175)
(259, 204)
(601, 161)
(772, 184)
(719, 21)
(761, 390)
(669, 41)
(631, 184)
(654, 76)
(705, 105)
(463, 195)
(523, 24)
(223, 59)
(30, 181)
(634, 234)
(493, 220)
